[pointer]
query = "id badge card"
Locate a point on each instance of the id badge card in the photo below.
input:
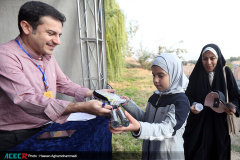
(48, 94)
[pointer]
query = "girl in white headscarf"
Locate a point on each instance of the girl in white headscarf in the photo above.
(162, 125)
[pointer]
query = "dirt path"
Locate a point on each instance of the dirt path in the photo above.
(235, 155)
(235, 141)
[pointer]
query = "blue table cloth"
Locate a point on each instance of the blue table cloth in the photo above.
(92, 137)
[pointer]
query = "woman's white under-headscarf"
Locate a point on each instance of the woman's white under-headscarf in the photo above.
(171, 64)
(210, 74)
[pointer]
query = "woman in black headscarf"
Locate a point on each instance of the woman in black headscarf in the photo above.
(206, 134)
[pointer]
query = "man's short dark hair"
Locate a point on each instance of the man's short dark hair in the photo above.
(33, 11)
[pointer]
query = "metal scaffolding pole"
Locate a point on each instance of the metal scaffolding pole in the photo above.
(92, 41)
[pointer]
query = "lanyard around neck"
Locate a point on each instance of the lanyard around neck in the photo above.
(44, 74)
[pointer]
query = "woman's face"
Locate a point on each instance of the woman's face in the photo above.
(209, 61)
(161, 78)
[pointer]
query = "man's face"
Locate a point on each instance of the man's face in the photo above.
(46, 37)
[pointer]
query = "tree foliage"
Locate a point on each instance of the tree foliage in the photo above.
(144, 57)
(229, 64)
(172, 49)
(116, 38)
(234, 59)
(132, 30)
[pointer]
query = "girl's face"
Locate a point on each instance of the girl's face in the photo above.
(160, 78)
(209, 61)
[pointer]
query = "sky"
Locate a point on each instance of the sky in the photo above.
(195, 22)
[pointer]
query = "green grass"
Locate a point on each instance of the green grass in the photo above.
(136, 84)
(235, 143)
(235, 147)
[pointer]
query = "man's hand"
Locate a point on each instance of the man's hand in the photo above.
(134, 125)
(94, 107)
(89, 93)
(109, 90)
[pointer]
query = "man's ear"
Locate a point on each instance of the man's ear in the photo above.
(26, 27)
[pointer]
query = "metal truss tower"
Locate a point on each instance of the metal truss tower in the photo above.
(92, 43)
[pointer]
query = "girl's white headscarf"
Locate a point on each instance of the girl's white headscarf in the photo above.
(171, 64)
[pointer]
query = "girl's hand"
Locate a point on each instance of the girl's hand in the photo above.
(127, 100)
(134, 125)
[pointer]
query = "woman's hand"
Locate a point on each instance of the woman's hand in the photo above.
(193, 109)
(232, 108)
(134, 125)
